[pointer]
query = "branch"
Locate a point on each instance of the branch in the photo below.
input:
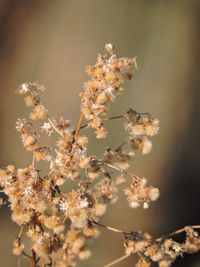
(125, 233)
(178, 232)
(33, 259)
(117, 260)
(104, 119)
(21, 231)
(107, 227)
(25, 254)
(121, 170)
(54, 127)
(78, 126)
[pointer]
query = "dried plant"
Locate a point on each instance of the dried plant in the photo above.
(58, 223)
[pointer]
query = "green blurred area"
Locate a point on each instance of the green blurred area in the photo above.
(52, 41)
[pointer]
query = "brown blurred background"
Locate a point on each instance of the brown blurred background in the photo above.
(52, 41)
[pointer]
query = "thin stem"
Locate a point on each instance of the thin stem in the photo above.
(193, 226)
(105, 119)
(65, 218)
(38, 259)
(121, 170)
(33, 259)
(117, 260)
(178, 232)
(107, 227)
(116, 168)
(21, 231)
(54, 127)
(33, 163)
(50, 261)
(25, 254)
(113, 118)
(120, 146)
(51, 172)
(157, 239)
(78, 126)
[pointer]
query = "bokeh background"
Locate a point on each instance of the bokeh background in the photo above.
(52, 41)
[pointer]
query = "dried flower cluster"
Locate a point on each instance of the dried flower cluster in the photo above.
(163, 251)
(139, 126)
(59, 223)
(107, 75)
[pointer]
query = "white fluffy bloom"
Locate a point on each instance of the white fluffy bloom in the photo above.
(109, 48)
(23, 89)
(146, 145)
(64, 206)
(47, 128)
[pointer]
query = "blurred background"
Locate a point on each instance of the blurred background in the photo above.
(52, 41)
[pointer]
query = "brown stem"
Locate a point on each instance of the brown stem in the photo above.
(33, 163)
(33, 259)
(91, 220)
(117, 260)
(65, 218)
(113, 118)
(104, 119)
(120, 146)
(50, 261)
(54, 127)
(21, 231)
(178, 232)
(78, 126)
(107, 227)
(121, 170)
(25, 254)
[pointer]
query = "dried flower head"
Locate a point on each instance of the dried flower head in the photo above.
(60, 222)
(107, 75)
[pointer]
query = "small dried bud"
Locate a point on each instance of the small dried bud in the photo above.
(38, 112)
(101, 132)
(82, 141)
(100, 209)
(17, 247)
(29, 142)
(42, 153)
(84, 254)
(23, 89)
(145, 145)
(153, 194)
(109, 48)
(31, 100)
(84, 163)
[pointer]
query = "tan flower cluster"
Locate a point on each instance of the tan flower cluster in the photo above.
(17, 247)
(42, 153)
(120, 157)
(192, 243)
(107, 75)
(139, 126)
(60, 222)
(32, 99)
(163, 251)
(138, 193)
(28, 135)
